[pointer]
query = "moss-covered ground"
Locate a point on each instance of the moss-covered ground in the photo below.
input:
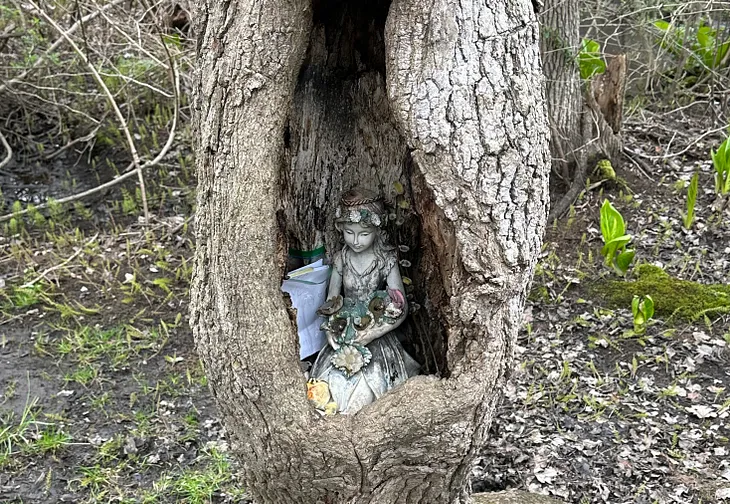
(673, 297)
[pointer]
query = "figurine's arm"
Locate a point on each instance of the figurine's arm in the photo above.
(335, 278)
(334, 289)
(370, 334)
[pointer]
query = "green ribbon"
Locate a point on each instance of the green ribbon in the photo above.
(306, 254)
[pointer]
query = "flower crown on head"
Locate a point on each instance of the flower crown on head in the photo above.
(358, 215)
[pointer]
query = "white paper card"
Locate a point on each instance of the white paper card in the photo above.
(307, 287)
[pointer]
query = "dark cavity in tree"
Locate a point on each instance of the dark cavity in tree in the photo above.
(341, 133)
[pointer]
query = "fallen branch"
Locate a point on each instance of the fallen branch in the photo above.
(638, 163)
(59, 266)
(86, 138)
(683, 151)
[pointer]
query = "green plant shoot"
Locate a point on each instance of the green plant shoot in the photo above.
(688, 218)
(701, 42)
(721, 162)
(615, 239)
(643, 309)
(590, 61)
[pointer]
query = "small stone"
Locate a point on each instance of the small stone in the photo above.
(130, 447)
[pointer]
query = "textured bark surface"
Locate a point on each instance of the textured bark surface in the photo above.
(584, 123)
(341, 132)
(463, 123)
(560, 45)
(609, 89)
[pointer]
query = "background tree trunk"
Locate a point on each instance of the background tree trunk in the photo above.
(560, 44)
(296, 102)
(585, 120)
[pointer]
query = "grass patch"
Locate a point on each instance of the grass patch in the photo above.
(23, 297)
(672, 297)
(197, 486)
(113, 346)
(27, 435)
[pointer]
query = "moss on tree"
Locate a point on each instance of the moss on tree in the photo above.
(672, 297)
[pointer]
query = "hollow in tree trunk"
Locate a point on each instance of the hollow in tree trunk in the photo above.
(296, 102)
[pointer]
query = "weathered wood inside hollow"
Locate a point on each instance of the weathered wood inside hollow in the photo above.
(464, 92)
(342, 133)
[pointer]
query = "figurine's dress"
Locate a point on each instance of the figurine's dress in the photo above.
(389, 365)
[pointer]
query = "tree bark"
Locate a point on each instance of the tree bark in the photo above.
(560, 45)
(445, 97)
(585, 119)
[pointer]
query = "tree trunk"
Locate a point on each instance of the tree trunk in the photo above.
(296, 102)
(560, 44)
(585, 120)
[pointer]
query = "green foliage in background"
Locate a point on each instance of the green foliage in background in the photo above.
(688, 218)
(642, 308)
(590, 59)
(672, 297)
(701, 41)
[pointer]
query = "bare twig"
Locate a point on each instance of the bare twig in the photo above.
(59, 266)
(86, 138)
(136, 44)
(112, 102)
(692, 144)
(638, 163)
(129, 171)
(57, 43)
(9, 151)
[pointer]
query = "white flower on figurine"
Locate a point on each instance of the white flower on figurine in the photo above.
(375, 219)
(355, 216)
(348, 359)
(392, 311)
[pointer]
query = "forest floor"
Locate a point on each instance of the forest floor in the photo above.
(102, 398)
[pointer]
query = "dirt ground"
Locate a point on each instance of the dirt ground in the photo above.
(102, 398)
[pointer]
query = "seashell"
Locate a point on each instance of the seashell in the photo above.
(377, 308)
(376, 305)
(338, 325)
(348, 360)
(363, 323)
(331, 306)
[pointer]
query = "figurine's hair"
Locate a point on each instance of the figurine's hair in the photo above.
(359, 198)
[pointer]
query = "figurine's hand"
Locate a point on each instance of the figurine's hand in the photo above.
(331, 339)
(365, 337)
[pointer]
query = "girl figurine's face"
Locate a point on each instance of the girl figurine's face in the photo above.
(359, 237)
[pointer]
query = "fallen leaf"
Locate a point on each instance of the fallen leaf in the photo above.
(722, 493)
(546, 476)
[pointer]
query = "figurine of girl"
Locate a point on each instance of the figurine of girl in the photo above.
(366, 303)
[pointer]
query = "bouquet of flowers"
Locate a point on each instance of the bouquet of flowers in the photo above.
(347, 316)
